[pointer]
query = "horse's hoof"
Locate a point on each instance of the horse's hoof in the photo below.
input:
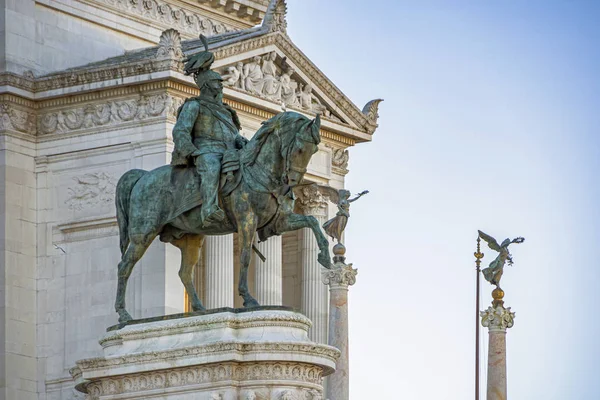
(251, 303)
(124, 316)
(198, 308)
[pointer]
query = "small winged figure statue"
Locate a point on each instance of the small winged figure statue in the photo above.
(493, 273)
(335, 226)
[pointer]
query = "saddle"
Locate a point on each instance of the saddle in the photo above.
(185, 183)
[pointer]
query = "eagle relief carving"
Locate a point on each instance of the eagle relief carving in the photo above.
(91, 190)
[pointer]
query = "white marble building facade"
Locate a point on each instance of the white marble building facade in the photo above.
(88, 90)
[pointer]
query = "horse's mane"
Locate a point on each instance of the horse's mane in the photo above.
(288, 120)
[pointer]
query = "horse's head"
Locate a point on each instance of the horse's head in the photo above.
(283, 147)
(305, 138)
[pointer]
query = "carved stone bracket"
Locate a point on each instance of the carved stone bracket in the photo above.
(340, 276)
(498, 318)
(108, 113)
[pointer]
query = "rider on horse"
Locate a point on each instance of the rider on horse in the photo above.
(206, 132)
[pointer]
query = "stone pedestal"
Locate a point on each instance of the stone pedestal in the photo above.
(339, 278)
(229, 355)
(497, 319)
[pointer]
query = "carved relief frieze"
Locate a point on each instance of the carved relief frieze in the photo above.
(108, 113)
(106, 73)
(208, 374)
(339, 159)
(166, 14)
(270, 77)
(13, 118)
(307, 67)
(311, 201)
(91, 190)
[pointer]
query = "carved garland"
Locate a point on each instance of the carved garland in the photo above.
(169, 15)
(12, 118)
(108, 113)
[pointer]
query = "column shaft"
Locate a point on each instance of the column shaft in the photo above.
(219, 271)
(496, 376)
(497, 319)
(314, 293)
(268, 274)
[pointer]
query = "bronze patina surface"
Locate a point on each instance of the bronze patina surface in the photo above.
(218, 183)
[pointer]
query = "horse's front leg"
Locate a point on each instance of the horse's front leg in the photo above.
(246, 231)
(297, 221)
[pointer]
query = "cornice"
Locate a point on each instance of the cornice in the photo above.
(189, 19)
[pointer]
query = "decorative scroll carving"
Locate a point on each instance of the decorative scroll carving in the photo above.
(498, 318)
(371, 110)
(261, 76)
(15, 119)
(92, 190)
(169, 45)
(340, 275)
(109, 113)
(169, 15)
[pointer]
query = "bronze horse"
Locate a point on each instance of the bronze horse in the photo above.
(271, 165)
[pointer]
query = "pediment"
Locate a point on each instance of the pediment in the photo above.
(271, 77)
(271, 68)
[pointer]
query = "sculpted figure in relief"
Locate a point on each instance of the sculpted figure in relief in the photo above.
(253, 76)
(288, 88)
(232, 77)
(271, 85)
(309, 101)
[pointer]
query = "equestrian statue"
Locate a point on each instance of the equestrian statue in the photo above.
(217, 183)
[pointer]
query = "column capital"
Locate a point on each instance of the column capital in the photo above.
(312, 201)
(498, 318)
(340, 276)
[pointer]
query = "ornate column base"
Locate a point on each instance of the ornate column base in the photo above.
(230, 355)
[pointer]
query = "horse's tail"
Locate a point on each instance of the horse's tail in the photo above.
(124, 188)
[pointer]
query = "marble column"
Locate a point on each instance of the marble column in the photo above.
(497, 319)
(268, 274)
(314, 302)
(339, 278)
(219, 271)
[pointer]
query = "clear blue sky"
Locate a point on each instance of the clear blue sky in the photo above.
(490, 122)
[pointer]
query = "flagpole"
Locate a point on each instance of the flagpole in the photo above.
(478, 256)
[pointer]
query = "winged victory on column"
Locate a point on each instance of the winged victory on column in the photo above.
(218, 183)
(494, 272)
(335, 226)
